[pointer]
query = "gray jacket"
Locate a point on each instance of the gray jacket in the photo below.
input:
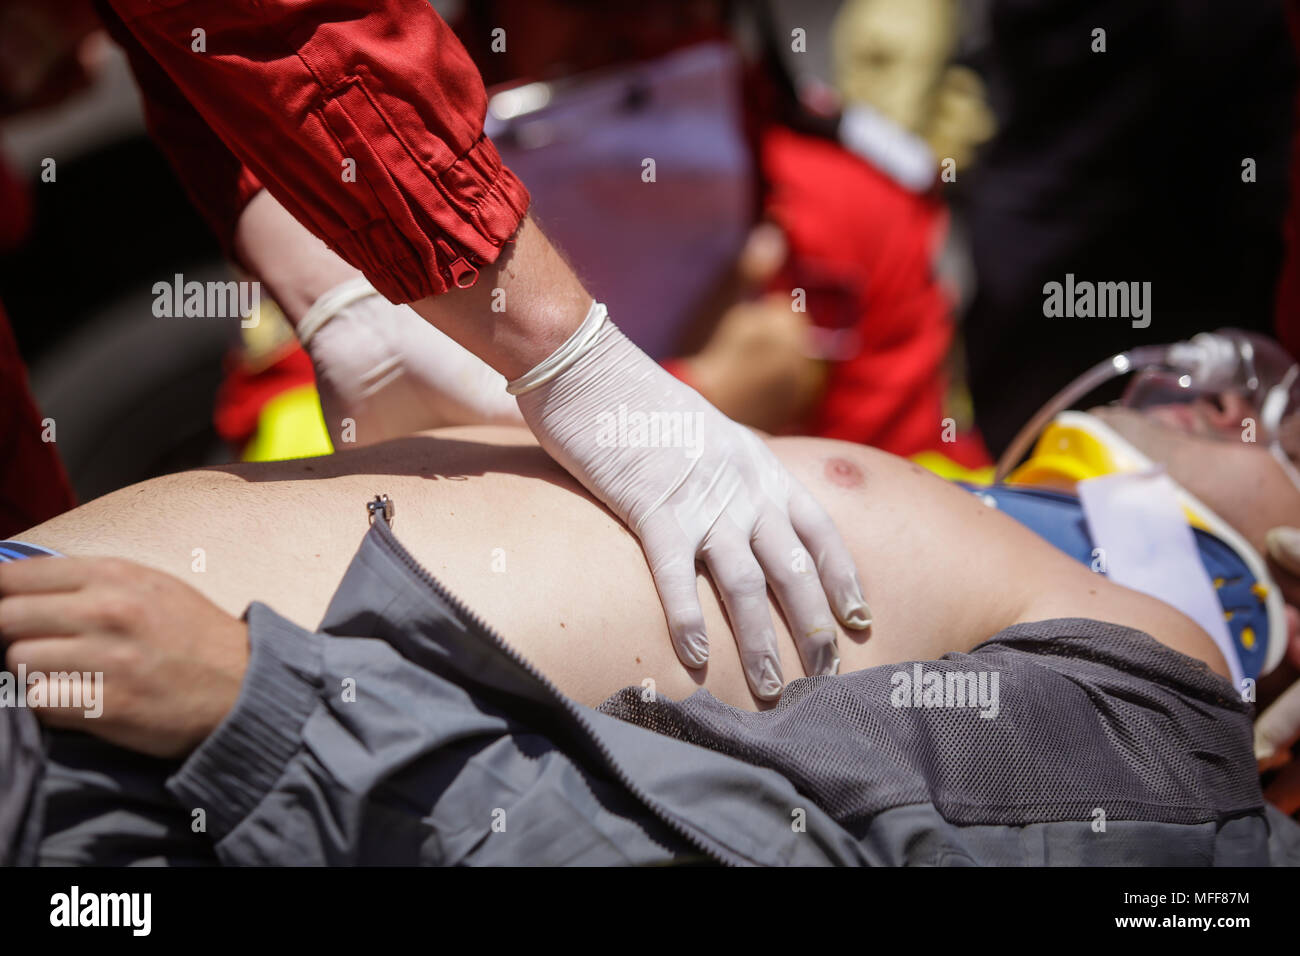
(405, 731)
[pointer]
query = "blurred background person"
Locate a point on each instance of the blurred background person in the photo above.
(839, 320)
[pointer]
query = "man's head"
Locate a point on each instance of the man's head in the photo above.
(1207, 449)
(1221, 413)
(895, 56)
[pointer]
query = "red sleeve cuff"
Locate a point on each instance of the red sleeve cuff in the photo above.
(364, 118)
(679, 369)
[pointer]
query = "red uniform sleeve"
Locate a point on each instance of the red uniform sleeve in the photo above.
(863, 247)
(364, 118)
(218, 184)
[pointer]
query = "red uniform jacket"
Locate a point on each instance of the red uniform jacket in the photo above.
(863, 248)
(33, 485)
(364, 118)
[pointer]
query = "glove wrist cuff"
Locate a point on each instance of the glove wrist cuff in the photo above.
(565, 355)
(331, 304)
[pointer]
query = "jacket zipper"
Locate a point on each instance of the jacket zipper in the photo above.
(476, 624)
(460, 270)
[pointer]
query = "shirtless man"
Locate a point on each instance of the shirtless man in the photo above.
(517, 542)
(531, 553)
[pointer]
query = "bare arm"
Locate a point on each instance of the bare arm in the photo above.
(294, 265)
(521, 308)
(541, 303)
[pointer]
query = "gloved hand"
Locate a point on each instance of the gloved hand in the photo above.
(1284, 548)
(393, 373)
(1278, 727)
(1283, 545)
(717, 494)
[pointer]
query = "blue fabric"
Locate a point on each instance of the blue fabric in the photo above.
(18, 550)
(1058, 519)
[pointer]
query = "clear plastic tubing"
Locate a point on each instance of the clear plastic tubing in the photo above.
(1178, 355)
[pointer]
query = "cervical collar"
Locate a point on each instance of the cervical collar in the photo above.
(1078, 446)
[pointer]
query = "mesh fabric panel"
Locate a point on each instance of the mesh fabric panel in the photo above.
(1089, 715)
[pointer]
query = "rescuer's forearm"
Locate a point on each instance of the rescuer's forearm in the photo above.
(295, 267)
(520, 309)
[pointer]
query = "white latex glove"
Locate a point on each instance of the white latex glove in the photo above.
(391, 372)
(1278, 727)
(723, 498)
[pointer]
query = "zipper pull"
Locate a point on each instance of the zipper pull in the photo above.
(460, 270)
(382, 505)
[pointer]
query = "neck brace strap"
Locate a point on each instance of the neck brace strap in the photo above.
(1077, 446)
